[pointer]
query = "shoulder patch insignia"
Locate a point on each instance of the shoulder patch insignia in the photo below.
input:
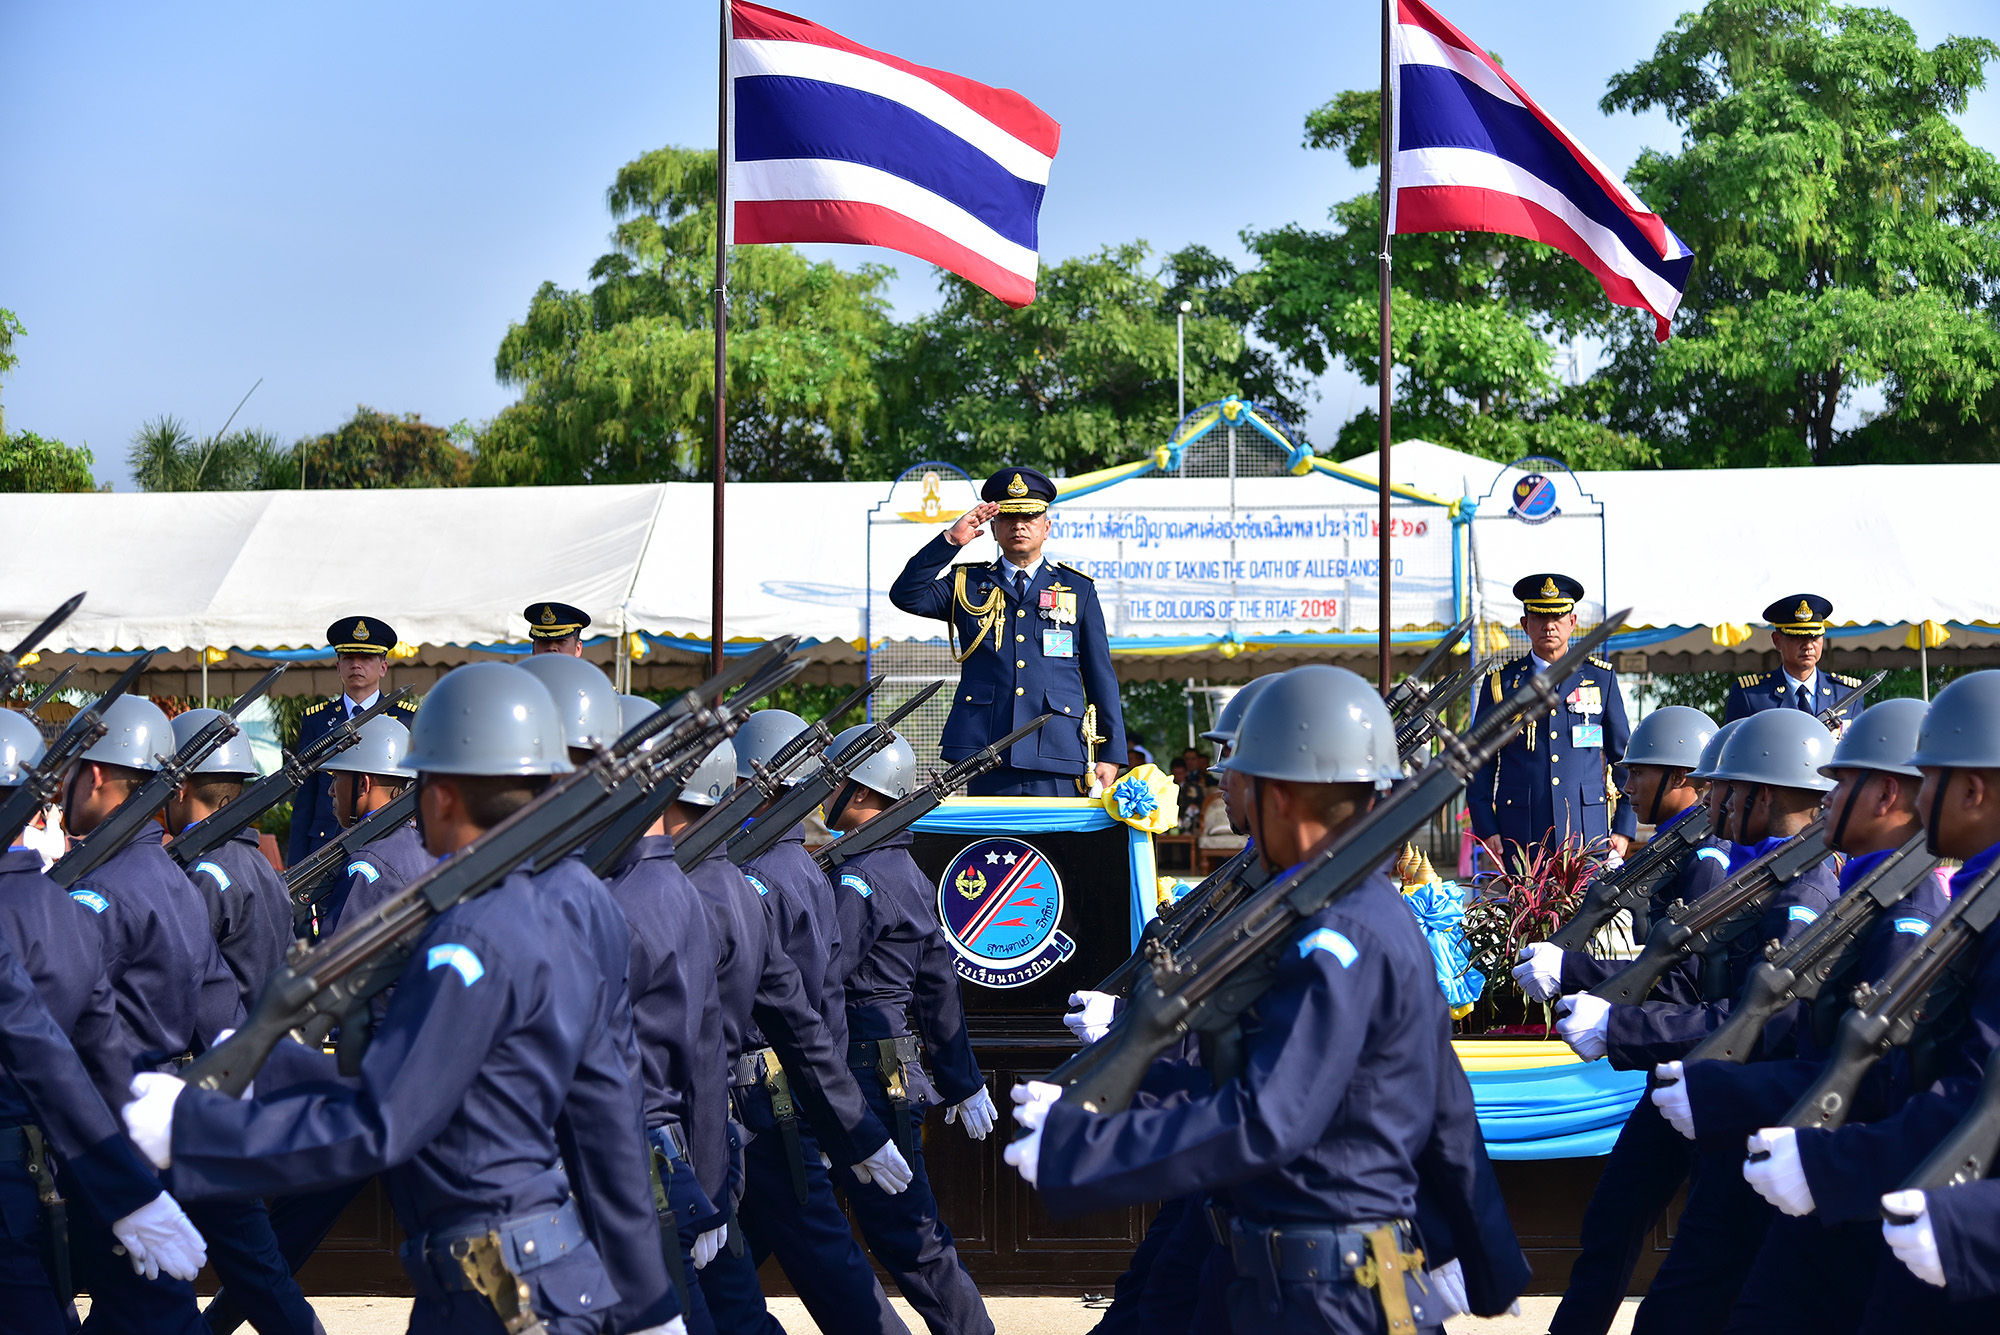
(1081, 574)
(1333, 943)
(91, 900)
(358, 868)
(1914, 926)
(757, 883)
(1800, 913)
(461, 958)
(856, 884)
(222, 881)
(1714, 855)
(316, 706)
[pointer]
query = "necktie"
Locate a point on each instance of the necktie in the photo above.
(1804, 701)
(1020, 586)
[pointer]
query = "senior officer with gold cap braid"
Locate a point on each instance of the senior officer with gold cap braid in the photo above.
(1030, 635)
(556, 628)
(1798, 631)
(1553, 782)
(361, 648)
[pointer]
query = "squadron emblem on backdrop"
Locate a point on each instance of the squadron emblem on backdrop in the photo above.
(1001, 903)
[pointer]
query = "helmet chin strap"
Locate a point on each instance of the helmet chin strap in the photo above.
(1937, 814)
(840, 801)
(1653, 807)
(420, 814)
(1847, 809)
(1743, 816)
(1254, 818)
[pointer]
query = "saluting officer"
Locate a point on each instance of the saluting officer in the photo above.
(556, 628)
(1030, 635)
(1554, 782)
(361, 648)
(1798, 631)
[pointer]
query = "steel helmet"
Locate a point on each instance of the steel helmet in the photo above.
(1674, 736)
(1784, 748)
(232, 757)
(762, 736)
(20, 746)
(1712, 752)
(1230, 719)
(487, 718)
(1962, 731)
(631, 709)
(383, 745)
(1882, 737)
(892, 771)
(583, 695)
(712, 778)
(1318, 724)
(137, 735)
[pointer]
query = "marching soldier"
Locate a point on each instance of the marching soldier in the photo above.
(361, 648)
(555, 628)
(1798, 624)
(1555, 780)
(1030, 637)
(365, 778)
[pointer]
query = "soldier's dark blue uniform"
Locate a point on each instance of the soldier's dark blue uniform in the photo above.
(376, 874)
(52, 985)
(1029, 647)
(313, 821)
(811, 1238)
(249, 909)
(1966, 1221)
(896, 966)
(499, 1009)
(1795, 617)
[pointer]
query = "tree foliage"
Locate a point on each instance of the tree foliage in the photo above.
(29, 462)
(378, 449)
(166, 456)
(618, 382)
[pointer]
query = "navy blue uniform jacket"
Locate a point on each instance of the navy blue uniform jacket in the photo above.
(1006, 687)
(1759, 691)
(375, 874)
(1554, 788)
(313, 822)
(1966, 1221)
(249, 909)
(1704, 868)
(801, 901)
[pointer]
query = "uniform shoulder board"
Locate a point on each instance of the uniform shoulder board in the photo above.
(1073, 570)
(405, 705)
(316, 706)
(1598, 662)
(970, 565)
(1749, 679)
(1844, 679)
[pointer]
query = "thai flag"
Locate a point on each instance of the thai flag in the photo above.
(1473, 153)
(831, 141)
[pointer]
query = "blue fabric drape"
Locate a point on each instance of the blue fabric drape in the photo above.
(1554, 1112)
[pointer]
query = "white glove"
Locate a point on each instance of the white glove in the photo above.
(1447, 1283)
(824, 1162)
(1091, 1019)
(1778, 1175)
(1540, 971)
(1914, 1243)
(978, 1112)
(157, 1236)
(1582, 1022)
(47, 839)
(706, 1245)
(1031, 1109)
(678, 1326)
(1670, 1096)
(886, 1168)
(149, 1117)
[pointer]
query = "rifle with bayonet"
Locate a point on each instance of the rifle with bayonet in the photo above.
(765, 783)
(1410, 690)
(1221, 973)
(1718, 917)
(222, 824)
(816, 787)
(82, 732)
(1421, 724)
(1819, 958)
(920, 801)
(1887, 1011)
(149, 797)
(48, 693)
(332, 982)
(12, 674)
(1169, 931)
(314, 877)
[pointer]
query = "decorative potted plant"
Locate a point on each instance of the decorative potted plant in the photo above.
(1538, 892)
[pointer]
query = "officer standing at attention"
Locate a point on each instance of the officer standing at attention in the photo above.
(556, 628)
(499, 1018)
(249, 909)
(897, 968)
(1555, 779)
(361, 648)
(1798, 624)
(1030, 635)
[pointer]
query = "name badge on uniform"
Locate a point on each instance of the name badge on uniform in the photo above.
(1587, 736)
(1058, 644)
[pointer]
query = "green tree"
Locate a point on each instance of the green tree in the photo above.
(166, 456)
(377, 449)
(10, 329)
(1081, 378)
(29, 462)
(1844, 234)
(617, 382)
(1476, 317)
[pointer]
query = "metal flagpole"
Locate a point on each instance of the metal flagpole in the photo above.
(721, 337)
(1382, 265)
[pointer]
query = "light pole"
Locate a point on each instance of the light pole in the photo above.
(1180, 361)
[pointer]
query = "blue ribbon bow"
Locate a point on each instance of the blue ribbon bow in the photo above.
(1441, 917)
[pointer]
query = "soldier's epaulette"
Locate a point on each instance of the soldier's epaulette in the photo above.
(1598, 662)
(405, 706)
(1844, 679)
(315, 708)
(971, 565)
(1078, 573)
(1749, 679)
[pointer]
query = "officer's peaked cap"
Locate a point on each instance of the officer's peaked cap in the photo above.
(1019, 491)
(1548, 594)
(1801, 614)
(361, 635)
(554, 621)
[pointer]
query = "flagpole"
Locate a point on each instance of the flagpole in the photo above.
(1382, 411)
(721, 337)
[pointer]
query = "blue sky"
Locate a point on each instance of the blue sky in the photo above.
(350, 202)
